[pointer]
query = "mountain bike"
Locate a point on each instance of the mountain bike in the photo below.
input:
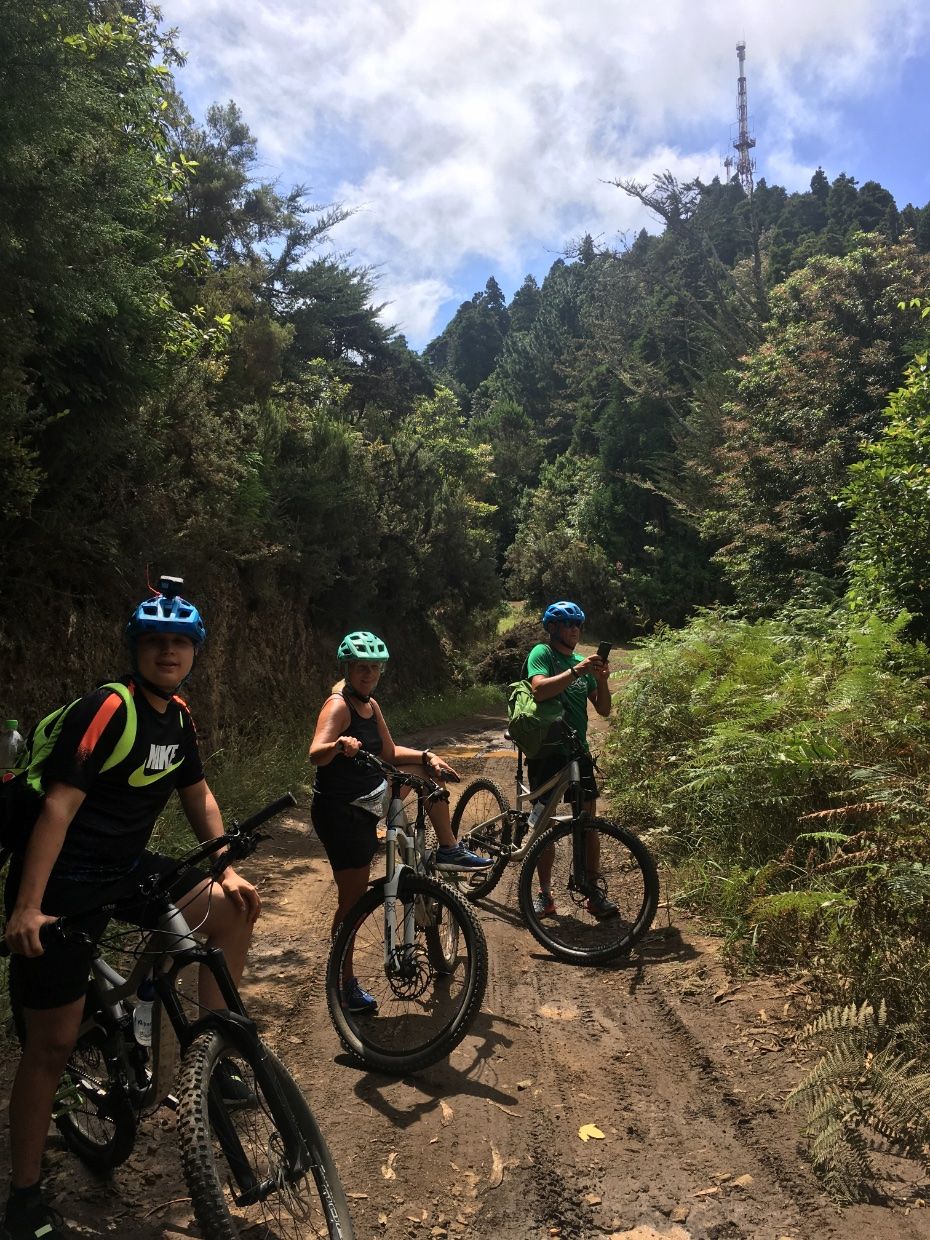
(253, 1156)
(595, 861)
(415, 945)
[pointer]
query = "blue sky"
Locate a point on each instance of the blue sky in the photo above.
(475, 138)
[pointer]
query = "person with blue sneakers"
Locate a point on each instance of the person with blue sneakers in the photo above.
(113, 767)
(350, 798)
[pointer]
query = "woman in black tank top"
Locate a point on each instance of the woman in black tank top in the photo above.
(351, 720)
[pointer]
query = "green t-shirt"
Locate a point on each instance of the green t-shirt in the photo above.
(543, 660)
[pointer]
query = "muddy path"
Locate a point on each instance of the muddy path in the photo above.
(683, 1069)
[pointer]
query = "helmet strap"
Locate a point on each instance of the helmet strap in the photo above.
(165, 694)
(362, 697)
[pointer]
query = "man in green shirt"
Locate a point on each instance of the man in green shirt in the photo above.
(554, 669)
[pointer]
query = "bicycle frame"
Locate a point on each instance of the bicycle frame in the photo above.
(554, 790)
(166, 951)
(403, 851)
(554, 787)
(169, 949)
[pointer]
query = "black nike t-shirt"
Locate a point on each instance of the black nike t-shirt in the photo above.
(124, 796)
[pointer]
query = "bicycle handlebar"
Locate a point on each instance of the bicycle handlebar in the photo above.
(430, 788)
(288, 801)
(239, 841)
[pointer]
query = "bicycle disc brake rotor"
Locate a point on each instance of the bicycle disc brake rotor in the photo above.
(409, 973)
(288, 1186)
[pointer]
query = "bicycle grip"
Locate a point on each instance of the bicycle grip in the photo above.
(48, 932)
(288, 801)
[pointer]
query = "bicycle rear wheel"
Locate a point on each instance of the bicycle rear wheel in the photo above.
(236, 1151)
(426, 1000)
(442, 939)
(92, 1111)
(477, 821)
(619, 869)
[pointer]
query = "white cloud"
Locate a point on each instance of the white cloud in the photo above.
(485, 129)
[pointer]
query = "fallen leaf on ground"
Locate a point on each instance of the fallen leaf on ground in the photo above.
(587, 1131)
(724, 993)
(388, 1169)
(741, 1181)
(496, 1177)
(506, 1110)
(448, 1115)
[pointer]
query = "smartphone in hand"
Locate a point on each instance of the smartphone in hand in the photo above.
(603, 651)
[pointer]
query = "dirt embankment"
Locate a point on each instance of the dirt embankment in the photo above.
(683, 1070)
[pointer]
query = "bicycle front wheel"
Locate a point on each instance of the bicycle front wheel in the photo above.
(601, 913)
(254, 1159)
(426, 997)
(479, 820)
(92, 1110)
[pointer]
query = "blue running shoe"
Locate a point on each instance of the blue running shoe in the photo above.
(459, 858)
(354, 999)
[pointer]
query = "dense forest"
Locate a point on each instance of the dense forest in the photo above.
(191, 380)
(716, 436)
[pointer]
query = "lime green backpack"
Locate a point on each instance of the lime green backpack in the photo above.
(22, 790)
(533, 725)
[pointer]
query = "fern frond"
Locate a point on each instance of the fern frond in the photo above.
(834, 1019)
(864, 1087)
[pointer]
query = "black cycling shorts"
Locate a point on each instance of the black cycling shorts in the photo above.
(349, 834)
(60, 975)
(540, 770)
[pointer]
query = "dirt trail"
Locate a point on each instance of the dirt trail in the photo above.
(682, 1069)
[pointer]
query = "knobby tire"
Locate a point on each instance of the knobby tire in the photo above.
(630, 879)
(310, 1207)
(426, 1001)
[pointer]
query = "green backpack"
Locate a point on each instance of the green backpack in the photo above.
(533, 725)
(21, 789)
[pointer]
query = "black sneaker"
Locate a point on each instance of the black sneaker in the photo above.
(32, 1219)
(601, 906)
(234, 1090)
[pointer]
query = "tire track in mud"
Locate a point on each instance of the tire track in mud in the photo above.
(485, 1146)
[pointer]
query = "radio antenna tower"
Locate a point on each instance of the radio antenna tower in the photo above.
(745, 164)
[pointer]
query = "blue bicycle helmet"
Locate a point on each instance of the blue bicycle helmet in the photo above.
(167, 612)
(562, 613)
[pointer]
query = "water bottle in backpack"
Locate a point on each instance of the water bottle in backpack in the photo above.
(11, 745)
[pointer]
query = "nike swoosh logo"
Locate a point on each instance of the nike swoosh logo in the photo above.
(139, 779)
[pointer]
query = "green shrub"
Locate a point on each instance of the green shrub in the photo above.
(783, 768)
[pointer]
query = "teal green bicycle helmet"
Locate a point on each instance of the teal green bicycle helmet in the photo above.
(359, 646)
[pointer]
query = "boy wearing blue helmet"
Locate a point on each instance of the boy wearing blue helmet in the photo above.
(113, 767)
(554, 670)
